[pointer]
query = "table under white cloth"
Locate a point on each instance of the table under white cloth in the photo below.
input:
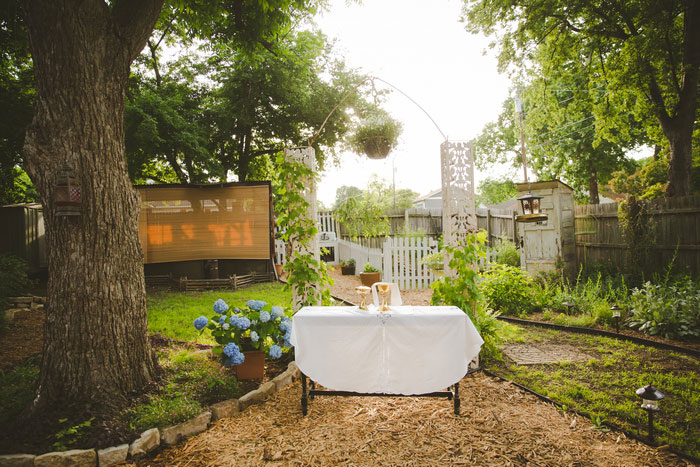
(407, 350)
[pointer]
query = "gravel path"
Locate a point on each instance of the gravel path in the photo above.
(344, 287)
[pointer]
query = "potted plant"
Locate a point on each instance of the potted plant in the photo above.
(347, 268)
(246, 337)
(369, 275)
(376, 135)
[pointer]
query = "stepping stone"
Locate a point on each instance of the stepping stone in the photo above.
(537, 354)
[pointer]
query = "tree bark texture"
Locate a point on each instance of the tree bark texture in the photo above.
(96, 345)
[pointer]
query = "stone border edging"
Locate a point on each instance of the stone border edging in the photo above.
(28, 303)
(601, 332)
(153, 438)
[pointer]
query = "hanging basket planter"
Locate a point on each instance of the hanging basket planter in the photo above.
(376, 136)
(377, 148)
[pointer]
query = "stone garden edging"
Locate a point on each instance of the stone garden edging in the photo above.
(152, 439)
(15, 304)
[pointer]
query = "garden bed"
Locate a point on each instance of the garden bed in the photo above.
(75, 427)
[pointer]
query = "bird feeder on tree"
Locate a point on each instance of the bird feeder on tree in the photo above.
(67, 193)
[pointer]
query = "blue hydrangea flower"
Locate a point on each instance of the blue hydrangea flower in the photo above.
(226, 326)
(287, 342)
(242, 323)
(276, 312)
(220, 306)
(201, 323)
(233, 320)
(264, 316)
(231, 349)
(222, 319)
(285, 318)
(275, 351)
(255, 305)
(254, 336)
(238, 358)
(237, 310)
(285, 326)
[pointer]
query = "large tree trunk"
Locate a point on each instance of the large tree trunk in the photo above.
(593, 187)
(681, 162)
(96, 345)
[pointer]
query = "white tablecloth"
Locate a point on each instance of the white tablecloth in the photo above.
(407, 350)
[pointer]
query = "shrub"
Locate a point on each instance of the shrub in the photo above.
(370, 268)
(13, 277)
(507, 289)
(672, 311)
(507, 253)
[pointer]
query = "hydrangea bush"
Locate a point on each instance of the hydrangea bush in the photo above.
(258, 327)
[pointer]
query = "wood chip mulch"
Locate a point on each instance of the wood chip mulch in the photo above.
(499, 425)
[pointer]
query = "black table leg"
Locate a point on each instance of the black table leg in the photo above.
(304, 402)
(456, 401)
(312, 386)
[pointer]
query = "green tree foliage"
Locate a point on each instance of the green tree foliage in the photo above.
(379, 193)
(495, 191)
(644, 53)
(16, 98)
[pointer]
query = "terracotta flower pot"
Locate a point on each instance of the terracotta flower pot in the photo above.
(253, 367)
(369, 278)
(278, 268)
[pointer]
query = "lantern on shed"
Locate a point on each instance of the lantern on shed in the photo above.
(67, 195)
(530, 205)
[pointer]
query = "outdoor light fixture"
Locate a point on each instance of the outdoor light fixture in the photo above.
(67, 194)
(650, 402)
(616, 314)
(530, 205)
(569, 306)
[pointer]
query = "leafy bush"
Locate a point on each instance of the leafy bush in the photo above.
(672, 311)
(507, 253)
(13, 277)
(508, 289)
(463, 292)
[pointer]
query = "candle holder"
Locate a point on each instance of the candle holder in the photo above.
(362, 291)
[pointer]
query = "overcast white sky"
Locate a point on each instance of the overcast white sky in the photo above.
(421, 48)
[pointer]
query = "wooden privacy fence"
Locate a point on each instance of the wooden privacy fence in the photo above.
(675, 223)
(402, 261)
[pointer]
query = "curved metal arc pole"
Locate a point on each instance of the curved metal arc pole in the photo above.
(313, 139)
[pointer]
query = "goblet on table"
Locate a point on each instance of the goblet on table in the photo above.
(384, 289)
(363, 291)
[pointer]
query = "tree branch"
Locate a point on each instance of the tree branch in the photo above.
(134, 21)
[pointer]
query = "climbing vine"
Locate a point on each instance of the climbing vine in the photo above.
(638, 233)
(307, 276)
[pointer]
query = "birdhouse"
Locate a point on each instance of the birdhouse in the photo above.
(67, 195)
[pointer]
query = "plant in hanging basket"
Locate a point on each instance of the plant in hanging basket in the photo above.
(376, 136)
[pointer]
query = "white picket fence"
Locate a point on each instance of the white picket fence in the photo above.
(402, 261)
(399, 259)
(361, 254)
(326, 222)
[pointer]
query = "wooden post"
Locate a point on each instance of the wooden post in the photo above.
(515, 229)
(488, 227)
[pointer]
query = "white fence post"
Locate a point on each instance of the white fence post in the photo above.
(403, 261)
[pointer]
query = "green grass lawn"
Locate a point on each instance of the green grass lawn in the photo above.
(171, 313)
(604, 387)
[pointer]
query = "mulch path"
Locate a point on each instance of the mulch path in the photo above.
(22, 338)
(499, 425)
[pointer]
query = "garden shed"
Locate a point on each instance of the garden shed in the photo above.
(22, 233)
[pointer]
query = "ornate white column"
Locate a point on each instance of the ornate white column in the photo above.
(458, 207)
(307, 157)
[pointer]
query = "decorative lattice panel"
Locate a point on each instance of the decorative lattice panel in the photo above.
(306, 156)
(458, 208)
